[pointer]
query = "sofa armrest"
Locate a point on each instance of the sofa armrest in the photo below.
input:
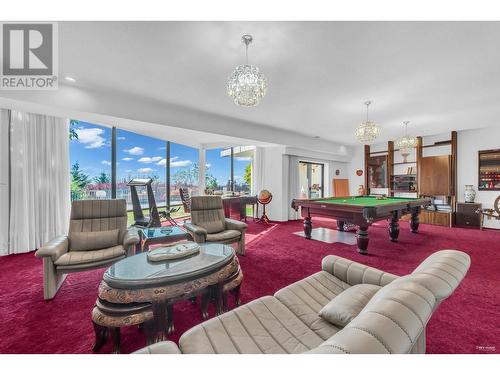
(163, 347)
(131, 237)
(54, 249)
(236, 225)
(355, 273)
(195, 229)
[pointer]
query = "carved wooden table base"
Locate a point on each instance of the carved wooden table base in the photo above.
(157, 318)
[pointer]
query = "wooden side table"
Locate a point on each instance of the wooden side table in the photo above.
(468, 215)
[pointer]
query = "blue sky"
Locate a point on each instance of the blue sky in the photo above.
(142, 156)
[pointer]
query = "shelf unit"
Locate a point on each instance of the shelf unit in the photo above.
(438, 176)
(489, 170)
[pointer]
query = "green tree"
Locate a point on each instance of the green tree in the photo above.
(103, 178)
(79, 180)
(190, 177)
(211, 181)
(72, 132)
(248, 174)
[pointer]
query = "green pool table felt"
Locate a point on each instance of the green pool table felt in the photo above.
(365, 201)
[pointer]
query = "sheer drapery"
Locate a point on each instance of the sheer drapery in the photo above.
(258, 170)
(293, 185)
(4, 181)
(39, 180)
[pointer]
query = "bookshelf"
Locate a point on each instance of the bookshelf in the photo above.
(489, 170)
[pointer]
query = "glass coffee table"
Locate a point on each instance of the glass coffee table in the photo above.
(162, 235)
(136, 291)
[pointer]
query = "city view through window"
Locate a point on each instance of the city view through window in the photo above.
(139, 156)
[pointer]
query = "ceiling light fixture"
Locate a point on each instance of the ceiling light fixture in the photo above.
(246, 85)
(406, 143)
(367, 131)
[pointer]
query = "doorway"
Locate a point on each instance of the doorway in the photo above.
(311, 179)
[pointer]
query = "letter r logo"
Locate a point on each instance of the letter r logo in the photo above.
(27, 49)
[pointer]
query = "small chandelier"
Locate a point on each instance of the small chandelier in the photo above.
(406, 143)
(367, 131)
(246, 85)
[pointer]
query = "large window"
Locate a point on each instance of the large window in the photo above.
(184, 171)
(104, 160)
(139, 156)
(218, 170)
(90, 158)
(243, 163)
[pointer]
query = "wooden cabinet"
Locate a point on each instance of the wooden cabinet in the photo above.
(435, 176)
(467, 215)
(436, 218)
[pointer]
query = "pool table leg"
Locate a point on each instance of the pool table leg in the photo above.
(307, 227)
(362, 239)
(340, 225)
(394, 227)
(414, 222)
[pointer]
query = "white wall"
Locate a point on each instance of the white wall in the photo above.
(276, 174)
(357, 161)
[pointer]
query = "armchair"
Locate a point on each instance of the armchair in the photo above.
(97, 237)
(208, 223)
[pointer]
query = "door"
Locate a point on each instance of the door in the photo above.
(311, 179)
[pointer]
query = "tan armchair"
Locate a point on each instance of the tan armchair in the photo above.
(208, 223)
(97, 237)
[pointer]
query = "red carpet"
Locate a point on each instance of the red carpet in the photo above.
(465, 323)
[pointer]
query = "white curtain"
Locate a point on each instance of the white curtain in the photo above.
(39, 180)
(293, 186)
(4, 181)
(258, 170)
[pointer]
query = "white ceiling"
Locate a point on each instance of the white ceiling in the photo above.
(441, 76)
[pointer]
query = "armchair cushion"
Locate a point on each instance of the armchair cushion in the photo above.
(236, 225)
(131, 238)
(85, 257)
(348, 304)
(196, 229)
(85, 241)
(225, 235)
(54, 249)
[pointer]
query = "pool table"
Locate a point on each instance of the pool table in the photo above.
(362, 211)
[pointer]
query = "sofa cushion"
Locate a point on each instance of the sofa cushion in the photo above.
(85, 241)
(85, 257)
(264, 325)
(305, 298)
(225, 235)
(391, 322)
(347, 305)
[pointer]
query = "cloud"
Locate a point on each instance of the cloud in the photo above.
(145, 170)
(147, 159)
(208, 165)
(175, 162)
(106, 162)
(91, 137)
(128, 170)
(127, 159)
(180, 163)
(135, 151)
(120, 138)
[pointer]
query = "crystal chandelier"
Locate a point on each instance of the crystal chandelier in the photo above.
(367, 131)
(406, 143)
(246, 85)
